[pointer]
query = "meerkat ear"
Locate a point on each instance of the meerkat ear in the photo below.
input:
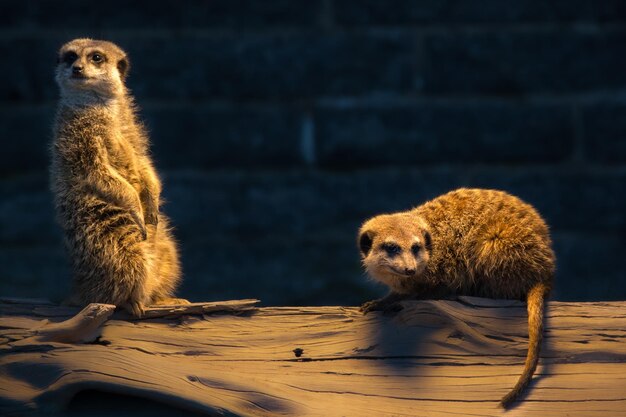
(365, 242)
(122, 66)
(427, 241)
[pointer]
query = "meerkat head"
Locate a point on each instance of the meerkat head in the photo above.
(90, 68)
(395, 249)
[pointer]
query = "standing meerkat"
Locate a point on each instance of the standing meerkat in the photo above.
(105, 187)
(475, 242)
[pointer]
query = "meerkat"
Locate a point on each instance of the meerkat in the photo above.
(475, 242)
(106, 189)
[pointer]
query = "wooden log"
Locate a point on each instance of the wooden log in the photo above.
(171, 311)
(432, 358)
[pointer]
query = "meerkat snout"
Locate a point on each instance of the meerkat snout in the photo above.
(77, 71)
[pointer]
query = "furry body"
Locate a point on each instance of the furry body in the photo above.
(105, 187)
(475, 242)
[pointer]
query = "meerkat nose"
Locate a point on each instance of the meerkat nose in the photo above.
(77, 69)
(409, 271)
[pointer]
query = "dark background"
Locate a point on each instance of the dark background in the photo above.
(279, 126)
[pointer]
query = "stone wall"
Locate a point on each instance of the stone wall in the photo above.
(279, 126)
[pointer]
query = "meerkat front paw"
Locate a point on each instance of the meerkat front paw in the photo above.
(140, 224)
(369, 306)
(382, 304)
(150, 206)
(151, 213)
(151, 218)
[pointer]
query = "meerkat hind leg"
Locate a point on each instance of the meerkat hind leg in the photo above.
(136, 308)
(171, 301)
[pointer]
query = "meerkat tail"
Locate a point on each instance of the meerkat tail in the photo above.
(535, 305)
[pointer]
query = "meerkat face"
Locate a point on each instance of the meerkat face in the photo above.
(88, 67)
(395, 248)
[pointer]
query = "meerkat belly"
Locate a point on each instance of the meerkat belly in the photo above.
(123, 160)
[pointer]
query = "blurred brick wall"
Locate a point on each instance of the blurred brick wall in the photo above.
(278, 126)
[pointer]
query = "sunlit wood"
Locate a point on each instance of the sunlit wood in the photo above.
(433, 358)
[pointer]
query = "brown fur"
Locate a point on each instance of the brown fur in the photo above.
(105, 186)
(475, 242)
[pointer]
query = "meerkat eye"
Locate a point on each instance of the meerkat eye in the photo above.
(69, 57)
(391, 248)
(97, 58)
(415, 249)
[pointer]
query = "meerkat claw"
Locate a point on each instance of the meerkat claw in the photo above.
(373, 305)
(135, 308)
(142, 226)
(152, 219)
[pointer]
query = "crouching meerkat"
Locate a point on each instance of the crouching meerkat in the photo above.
(105, 186)
(475, 242)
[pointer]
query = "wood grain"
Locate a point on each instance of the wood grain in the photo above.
(433, 358)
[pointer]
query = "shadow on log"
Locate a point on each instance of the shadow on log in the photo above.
(432, 358)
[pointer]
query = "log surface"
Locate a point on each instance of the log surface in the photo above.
(434, 358)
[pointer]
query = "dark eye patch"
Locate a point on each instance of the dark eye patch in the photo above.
(69, 57)
(97, 57)
(392, 249)
(415, 249)
(365, 243)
